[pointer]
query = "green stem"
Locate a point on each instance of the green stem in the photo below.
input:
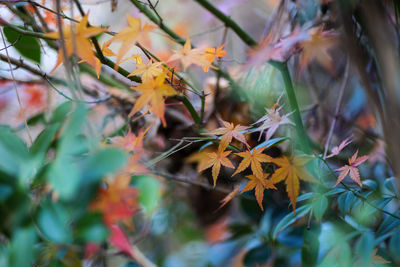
(190, 108)
(305, 144)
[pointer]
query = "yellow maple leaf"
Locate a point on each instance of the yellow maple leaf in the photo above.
(259, 184)
(216, 159)
(254, 159)
(200, 158)
(212, 53)
(291, 170)
(151, 70)
(153, 91)
(189, 56)
(135, 33)
(78, 38)
(228, 132)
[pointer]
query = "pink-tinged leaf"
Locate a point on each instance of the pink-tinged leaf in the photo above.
(360, 160)
(119, 240)
(337, 149)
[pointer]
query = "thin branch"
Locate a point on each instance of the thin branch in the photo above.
(337, 109)
(24, 32)
(12, 44)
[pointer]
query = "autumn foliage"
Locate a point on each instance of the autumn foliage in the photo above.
(164, 131)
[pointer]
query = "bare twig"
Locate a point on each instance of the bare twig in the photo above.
(337, 109)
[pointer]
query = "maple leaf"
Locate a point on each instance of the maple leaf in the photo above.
(130, 142)
(106, 52)
(316, 48)
(78, 38)
(189, 56)
(229, 197)
(336, 150)
(271, 121)
(200, 158)
(151, 70)
(212, 53)
(351, 169)
(135, 33)
(291, 170)
(228, 132)
(259, 184)
(153, 91)
(117, 201)
(254, 159)
(216, 159)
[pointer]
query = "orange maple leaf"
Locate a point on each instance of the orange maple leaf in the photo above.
(117, 201)
(229, 197)
(151, 70)
(78, 38)
(254, 159)
(153, 92)
(259, 184)
(135, 33)
(216, 159)
(228, 132)
(212, 53)
(351, 169)
(291, 170)
(316, 48)
(200, 158)
(189, 56)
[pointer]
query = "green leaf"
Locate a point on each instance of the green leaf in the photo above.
(319, 207)
(364, 248)
(61, 112)
(105, 161)
(290, 219)
(390, 184)
(53, 221)
(346, 201)
(149, 195)
(310, 248)
(13, 152)
(394, 245)
(44, 139)
(27, 46)
(91, 229)
(22, 252)
(64, 178)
